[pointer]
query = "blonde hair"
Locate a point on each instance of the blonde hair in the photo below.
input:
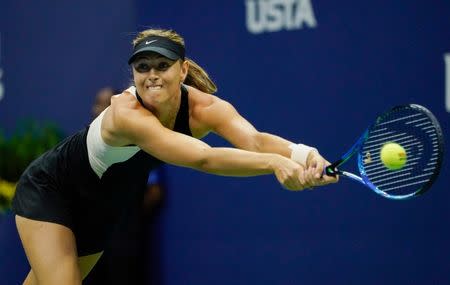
(197, 76)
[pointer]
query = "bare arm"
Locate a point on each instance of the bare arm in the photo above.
(136, 125)
(222, 118)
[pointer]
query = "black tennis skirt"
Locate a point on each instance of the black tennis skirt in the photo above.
(60, 187)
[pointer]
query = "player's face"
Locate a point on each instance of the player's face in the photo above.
(157, 78)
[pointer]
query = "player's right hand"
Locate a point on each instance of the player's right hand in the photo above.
(290, 174)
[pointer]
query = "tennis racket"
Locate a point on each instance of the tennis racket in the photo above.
(417, 131)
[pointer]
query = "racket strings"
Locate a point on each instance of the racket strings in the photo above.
(418, 134)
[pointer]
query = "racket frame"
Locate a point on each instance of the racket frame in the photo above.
(332, 170)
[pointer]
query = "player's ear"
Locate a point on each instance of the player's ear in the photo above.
(184, 69)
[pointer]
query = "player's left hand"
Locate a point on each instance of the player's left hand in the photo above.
(315, 165)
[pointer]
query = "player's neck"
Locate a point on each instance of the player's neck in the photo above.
(167, 114)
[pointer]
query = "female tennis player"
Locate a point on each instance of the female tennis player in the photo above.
(69, 199)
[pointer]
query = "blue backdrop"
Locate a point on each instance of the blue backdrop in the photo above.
(311, 71)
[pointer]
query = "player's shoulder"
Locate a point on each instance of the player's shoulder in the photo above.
(200, 101)
(125, 109)
(125, 98)
(125, 104)
(123, 115)
(208, 111)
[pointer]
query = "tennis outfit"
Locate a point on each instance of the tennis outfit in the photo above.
(86, 185)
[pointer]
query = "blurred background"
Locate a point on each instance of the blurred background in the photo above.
(312, 71)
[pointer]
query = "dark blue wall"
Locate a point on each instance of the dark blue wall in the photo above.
(320, 82)
(55, 56)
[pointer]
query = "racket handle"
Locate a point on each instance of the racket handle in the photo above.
(331, 170)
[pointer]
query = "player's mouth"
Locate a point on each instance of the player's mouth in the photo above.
(154, 87)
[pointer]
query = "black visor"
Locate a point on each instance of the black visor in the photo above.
(161, 45)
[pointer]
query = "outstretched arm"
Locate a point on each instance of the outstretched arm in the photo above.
(128, 123)
(222, 118)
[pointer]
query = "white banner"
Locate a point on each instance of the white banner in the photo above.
(276, 15)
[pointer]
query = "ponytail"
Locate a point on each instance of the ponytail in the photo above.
(198, 78)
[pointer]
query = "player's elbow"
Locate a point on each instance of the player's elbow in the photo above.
(202, 159)
(256, 142)
(206, 160)
(252, 142)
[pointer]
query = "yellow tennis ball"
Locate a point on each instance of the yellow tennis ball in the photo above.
(393, 156)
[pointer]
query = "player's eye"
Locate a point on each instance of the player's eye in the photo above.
(163, 66)
(142, 67)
